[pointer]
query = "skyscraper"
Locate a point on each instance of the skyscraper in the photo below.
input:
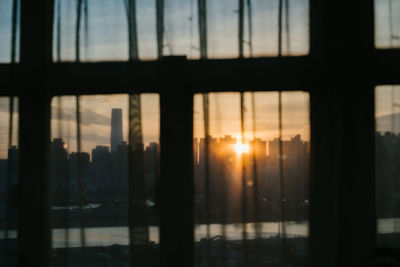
(116, 128)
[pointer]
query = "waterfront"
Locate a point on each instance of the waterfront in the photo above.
(106, 236)
(118, 235)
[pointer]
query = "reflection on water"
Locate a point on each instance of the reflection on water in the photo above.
(388, 225)
(98, 236)
(86, 207)
(267, 230)
(105, 236)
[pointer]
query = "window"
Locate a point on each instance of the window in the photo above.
(387, 23)
(9, 179)
(92, 211)
(9, 31)
(175, 27)
(251, 178)
(387, 182)
(77, 51)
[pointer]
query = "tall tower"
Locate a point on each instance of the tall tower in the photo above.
(116, 128)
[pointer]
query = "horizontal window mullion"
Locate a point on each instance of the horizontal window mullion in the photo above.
(7, 79)
(210, 75)
(384, 67)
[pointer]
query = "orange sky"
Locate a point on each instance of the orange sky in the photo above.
(224, 116)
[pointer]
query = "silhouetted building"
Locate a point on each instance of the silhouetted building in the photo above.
(258, 148)
(59, 158)
(151, 169)
(100, 153)
(116, 129)
(231, 175)
(3, 176)
(388, 174)
(9, 188)
(101, 170)
(119, 173)
(79, 164)
(59, 169)
(13, 155)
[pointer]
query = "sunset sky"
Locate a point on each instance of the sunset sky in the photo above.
(224, 117)
(107, 40)
(107, 35)
(96, 119)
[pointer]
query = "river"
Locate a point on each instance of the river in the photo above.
(106, 236)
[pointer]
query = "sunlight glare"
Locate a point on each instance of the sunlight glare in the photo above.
(241, 149)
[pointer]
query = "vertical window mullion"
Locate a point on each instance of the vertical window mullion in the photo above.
(341, 188)
(34, 231)
(176, 193)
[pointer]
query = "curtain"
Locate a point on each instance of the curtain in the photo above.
(195, 29)
(387, 161)
(9, 155)
(251, 171)
(387, 23)
(9, 31)
(104, 170)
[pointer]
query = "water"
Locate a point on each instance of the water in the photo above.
(388, 225)
(86, 207)
(106, 236)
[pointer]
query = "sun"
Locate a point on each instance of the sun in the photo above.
(241, 149)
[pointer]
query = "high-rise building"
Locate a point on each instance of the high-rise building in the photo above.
(100, 153)
(101, 167)
(116, 128)
(258, 148)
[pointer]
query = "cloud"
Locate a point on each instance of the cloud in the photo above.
(88, 116)
(95, 138)
(88, 140)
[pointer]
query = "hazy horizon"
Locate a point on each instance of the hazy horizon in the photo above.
(224, 110)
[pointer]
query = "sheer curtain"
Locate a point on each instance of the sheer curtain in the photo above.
(387, 23)
(9, 151)
(251, 171)
(387, 161)
(235, 177)
(104, 170)
(9, 179)
(9, 53)
(9, 31)
(102, 29)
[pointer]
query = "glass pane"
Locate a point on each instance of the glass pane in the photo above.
(387, 116)
(103, 31)
(251, 178)
(9, 31)
(146, 28)
(95, 191)
(181, 28)
(261, 20)
(98, 29)
(387, 23)
(9, 153)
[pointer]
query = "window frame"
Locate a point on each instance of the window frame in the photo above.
(340, 73)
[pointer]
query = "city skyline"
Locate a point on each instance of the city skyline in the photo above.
(237, 147)
(96, 117)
